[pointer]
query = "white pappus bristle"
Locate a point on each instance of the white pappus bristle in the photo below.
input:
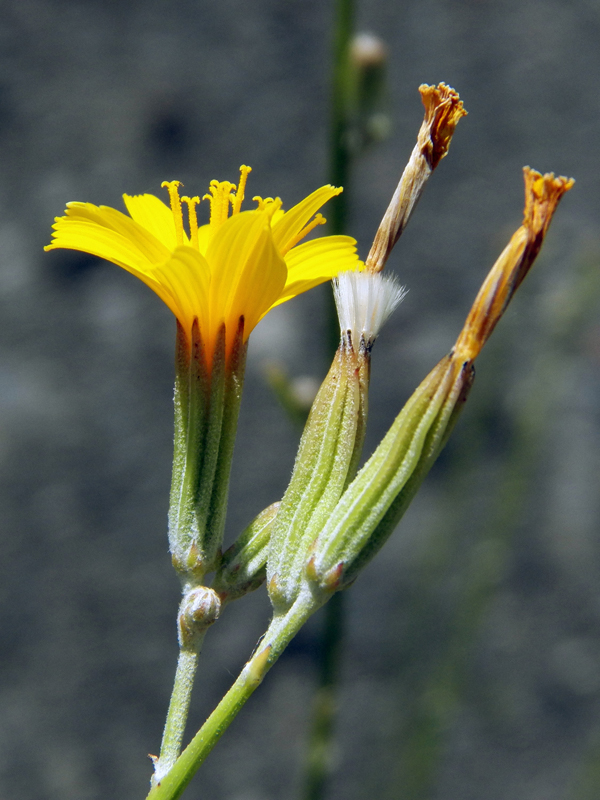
(364, 302)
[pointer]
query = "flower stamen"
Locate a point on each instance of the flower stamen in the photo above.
(172, 188)
(319, 219)
(270, 205)
(262, 202)
(192, 202)
(238, 197)
(219, 197)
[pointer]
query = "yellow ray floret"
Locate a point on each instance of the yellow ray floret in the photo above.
(241, 264)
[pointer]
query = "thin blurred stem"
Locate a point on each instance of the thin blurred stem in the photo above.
(340, 152)
(339, 149)
(318, 759)
(587, 781)
(435, 663)
(436, 659)
(321, 732)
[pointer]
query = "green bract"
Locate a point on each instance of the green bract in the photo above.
(327, 459)
(243, 566)
(373, 504)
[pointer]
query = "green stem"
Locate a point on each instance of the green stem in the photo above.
(318, 759)
(280, 632)
(170, 748)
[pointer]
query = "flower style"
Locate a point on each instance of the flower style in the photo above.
(240, 265)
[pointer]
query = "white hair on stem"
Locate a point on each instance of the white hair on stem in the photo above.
(364, 302)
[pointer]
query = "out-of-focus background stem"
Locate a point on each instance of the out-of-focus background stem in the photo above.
(321, 732)
(443, 629)
(357, 87)
(341, 92)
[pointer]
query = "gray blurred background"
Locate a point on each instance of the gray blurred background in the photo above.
(472, 656)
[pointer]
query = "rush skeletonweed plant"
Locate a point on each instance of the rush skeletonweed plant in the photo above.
(219, 280)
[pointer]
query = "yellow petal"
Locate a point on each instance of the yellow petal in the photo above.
(107, 233)
(97, 241)
(185, 277)
(115, 220)
(160, 288)
(238, 270)
(247, 272)
(286, 229)
(204, 237)
(317, 261)
(152, 214)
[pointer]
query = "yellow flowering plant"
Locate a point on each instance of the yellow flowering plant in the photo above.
(219, 280)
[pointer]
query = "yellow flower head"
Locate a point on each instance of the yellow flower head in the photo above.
(242, 264)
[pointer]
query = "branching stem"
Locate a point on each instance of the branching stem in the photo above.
(280, 632)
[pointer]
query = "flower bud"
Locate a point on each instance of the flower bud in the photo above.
(243, 566)
(199, 608)
(373, 503)
(320, 475)
(331, 444)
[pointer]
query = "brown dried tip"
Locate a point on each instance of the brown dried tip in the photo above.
(443, 110)
(542, 195)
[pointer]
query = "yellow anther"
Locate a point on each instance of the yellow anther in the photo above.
(239, 195)
(210, 196)
(219, 196)
(192, 202)
(172, 188)
(262, 202)
(272, 206)
(318, 220)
